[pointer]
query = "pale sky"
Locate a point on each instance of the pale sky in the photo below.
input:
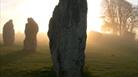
(41, 11)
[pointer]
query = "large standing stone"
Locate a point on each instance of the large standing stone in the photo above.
(8, 33)
(31, 29)
(67, 35)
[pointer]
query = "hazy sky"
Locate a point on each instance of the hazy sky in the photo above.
(41, 11)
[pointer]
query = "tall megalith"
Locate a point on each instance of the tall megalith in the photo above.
(8, 33)
(67, 37)
(31, 30)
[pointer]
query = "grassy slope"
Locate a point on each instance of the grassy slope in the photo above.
(110, 56)
(106, 56)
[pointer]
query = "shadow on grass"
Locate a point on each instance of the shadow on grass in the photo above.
(49, 72)
(43, 72)
(13, 57)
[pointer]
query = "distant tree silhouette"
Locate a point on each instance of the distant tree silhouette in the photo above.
(31, 29)
(8, 33)
(133, 20)
(118, 13)
(67, 35)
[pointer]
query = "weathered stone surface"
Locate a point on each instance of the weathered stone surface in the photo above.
(67, 35)
(31, 30)
(8, 33)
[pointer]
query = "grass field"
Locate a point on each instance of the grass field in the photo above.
(106, 56)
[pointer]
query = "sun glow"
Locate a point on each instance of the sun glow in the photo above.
(41, 11)
(94, 13)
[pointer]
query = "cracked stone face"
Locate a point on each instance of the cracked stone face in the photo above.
(8, 33)
(67, 37)
(31, 30)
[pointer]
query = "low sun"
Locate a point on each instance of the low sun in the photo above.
(94, 13)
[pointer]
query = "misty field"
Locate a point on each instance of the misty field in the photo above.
(106, 56)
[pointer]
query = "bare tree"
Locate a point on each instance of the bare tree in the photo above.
(133, 20)
(117, 13)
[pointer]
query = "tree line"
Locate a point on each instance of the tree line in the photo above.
(120, 17)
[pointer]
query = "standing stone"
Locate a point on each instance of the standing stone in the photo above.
(67, 35)
(8, 33)
(31, 29)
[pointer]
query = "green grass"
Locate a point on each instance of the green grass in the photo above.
(106, 56)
